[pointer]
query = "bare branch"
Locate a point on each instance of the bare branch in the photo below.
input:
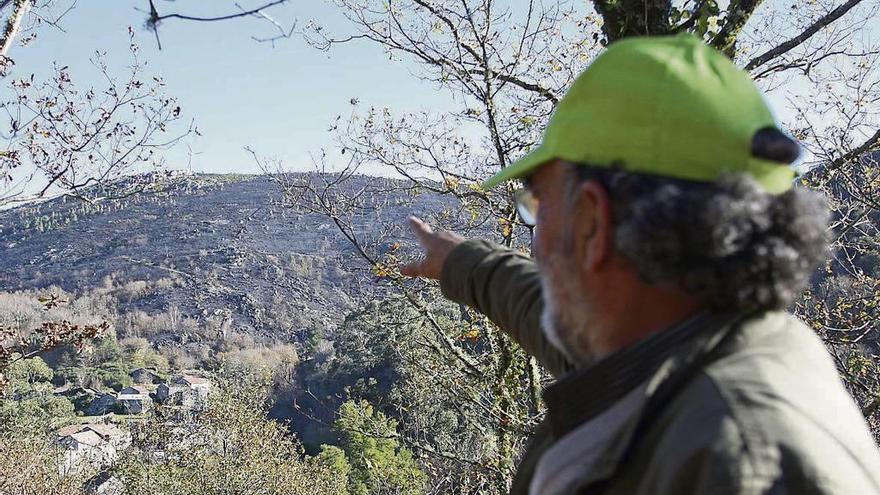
(283, 33)
(73, 139)
(159, 18)
(871, 144)
(787, 46)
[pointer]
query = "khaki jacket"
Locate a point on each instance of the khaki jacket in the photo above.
(720, 404)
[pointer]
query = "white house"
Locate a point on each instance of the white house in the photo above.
(91, 445)
(118, 437)
(84, 449)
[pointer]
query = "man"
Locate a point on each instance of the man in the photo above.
(668, 242)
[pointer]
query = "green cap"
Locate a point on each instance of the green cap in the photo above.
(669, 106)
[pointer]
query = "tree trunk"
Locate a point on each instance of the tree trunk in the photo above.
(624, 18)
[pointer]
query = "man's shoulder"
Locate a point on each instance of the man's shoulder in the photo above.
(776, 366)
(777, 356)
(772, 408)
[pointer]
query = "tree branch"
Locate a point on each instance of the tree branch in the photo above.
(536, 88)
(871, 144)
(158, 18)
(13, 23)
(787, 46)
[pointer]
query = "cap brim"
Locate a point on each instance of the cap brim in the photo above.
(520, 168)
(774, 177)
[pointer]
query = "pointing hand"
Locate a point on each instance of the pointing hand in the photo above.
(436, 246)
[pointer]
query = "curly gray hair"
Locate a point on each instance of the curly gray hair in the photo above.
(749, 250)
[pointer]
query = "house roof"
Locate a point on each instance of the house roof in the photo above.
(192, 380)
(101, 482)
(135, 390)
(105, 430)
(64, 388)
(105, 399)
(101, 429)
(87, 437)
(142, 371)
(69, 430)
(69, 388)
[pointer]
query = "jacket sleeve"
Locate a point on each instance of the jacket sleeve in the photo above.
(502, 284)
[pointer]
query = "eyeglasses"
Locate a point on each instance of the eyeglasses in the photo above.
(526, 206)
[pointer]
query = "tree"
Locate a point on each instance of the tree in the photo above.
(29, 371)
(67, 140)
(29, 460)
(73, 139)
(27, 406)
(363, 365)
(504, 68)
(377, 463)
(334, 457)
(842, 303)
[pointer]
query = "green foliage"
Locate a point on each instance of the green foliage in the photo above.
(29, 371)
(140, 354)
(106, 349)
(113, 374)
(28, 405)
(36, 411)
(108, 362)
(378, 463)
(843, 310)
(386, 354)
(315, 336)
(334, 458)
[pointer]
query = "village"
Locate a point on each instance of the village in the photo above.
(98, 438)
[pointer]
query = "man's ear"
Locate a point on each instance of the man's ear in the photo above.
(594, 207)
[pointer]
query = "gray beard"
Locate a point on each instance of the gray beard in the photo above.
(564, 318)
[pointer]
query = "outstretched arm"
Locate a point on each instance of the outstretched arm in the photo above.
(501, 283)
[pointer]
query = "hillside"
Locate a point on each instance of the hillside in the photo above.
(217, 245)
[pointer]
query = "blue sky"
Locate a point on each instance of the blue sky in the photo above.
(280, 100)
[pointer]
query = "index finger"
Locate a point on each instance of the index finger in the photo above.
(419, 228)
